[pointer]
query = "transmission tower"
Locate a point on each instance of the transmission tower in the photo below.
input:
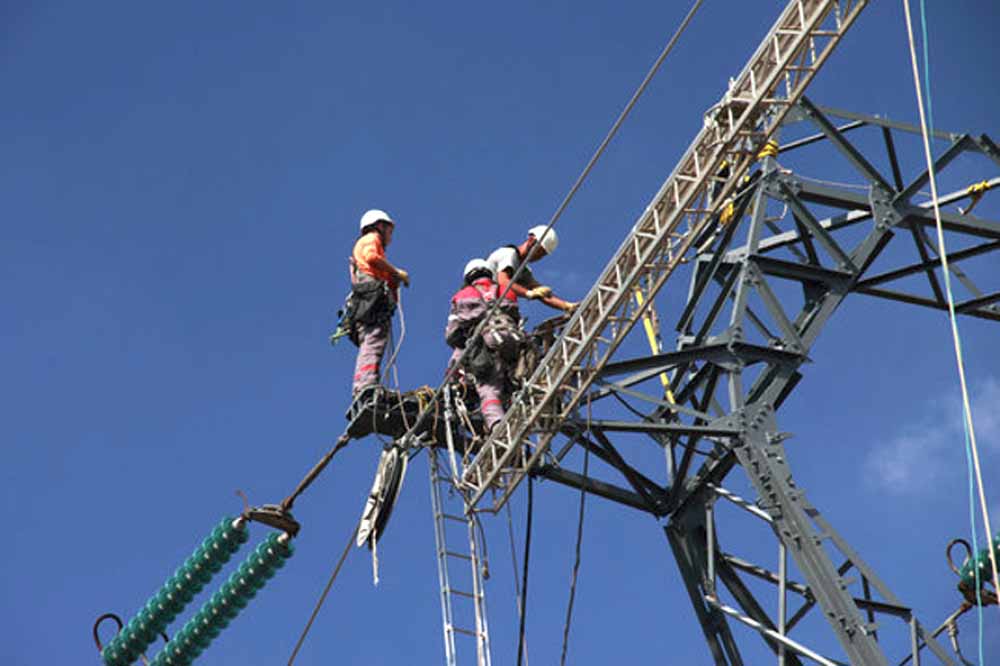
(761, 288)
(769, 254)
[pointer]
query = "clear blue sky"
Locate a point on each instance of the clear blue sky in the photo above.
(180, 187)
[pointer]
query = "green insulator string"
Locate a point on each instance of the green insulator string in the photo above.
(980, 563)
(164, 606)
(234, 595)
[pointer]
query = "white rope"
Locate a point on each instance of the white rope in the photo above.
(967, 414)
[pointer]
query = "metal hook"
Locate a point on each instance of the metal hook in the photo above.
(951, 544)
(121, 625)
(97, 625)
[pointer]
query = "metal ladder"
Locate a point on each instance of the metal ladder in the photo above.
(441, 479)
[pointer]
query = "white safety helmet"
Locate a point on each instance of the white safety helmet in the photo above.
(477, 265)
(549, 242)
(374, 216)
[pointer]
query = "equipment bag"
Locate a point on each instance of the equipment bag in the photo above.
(503, 337)
(479, 360)
(370, 302)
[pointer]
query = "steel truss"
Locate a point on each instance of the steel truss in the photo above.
(743, 337)
(665, 235)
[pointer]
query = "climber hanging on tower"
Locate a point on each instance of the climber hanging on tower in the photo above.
(374, 294)
(492, 354)
(507, 259)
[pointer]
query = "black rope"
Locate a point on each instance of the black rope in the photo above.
(322, 597)
(524, 578)
(576, 563)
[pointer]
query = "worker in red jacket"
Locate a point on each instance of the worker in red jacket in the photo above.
(374, 284)
(492, 353)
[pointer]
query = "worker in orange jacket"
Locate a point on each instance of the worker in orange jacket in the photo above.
(374, 293)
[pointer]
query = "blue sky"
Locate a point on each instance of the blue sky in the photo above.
(180, 187)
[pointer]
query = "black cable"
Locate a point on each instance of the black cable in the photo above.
(524, 577)
(576, 564)
(322, 597)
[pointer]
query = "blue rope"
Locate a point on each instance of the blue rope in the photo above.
(966, 416)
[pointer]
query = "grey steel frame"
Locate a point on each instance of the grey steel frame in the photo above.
(750, 361)
(777, 74)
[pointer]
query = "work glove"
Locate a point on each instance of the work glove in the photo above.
(569, 308)
(403, 277)
(541, 291)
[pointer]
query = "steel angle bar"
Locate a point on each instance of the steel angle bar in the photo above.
(631, 475)
(805, 217)
(744, 504)
(707, 274)
(975, 303)
(925, 259)
(664, 428)
(863, 166)
(927, 264)
(689, 553)
(751, 606)
(777, 241)
(790, 339)
(792, 270)
(832, 196)
(966, 224)
(815, 138)
(879, 121)
(925, 302)
(890, 149)
(869, 574)
(659, 362)
(665, 405)
(771, 633)
(610, 388)
(616, 462)
(921, 232)
(595, 487)
(959, 146)
(765, 574)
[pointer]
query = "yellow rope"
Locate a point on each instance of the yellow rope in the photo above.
(976, 192)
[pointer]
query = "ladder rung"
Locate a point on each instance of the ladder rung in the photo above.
(462, 593)
(458, 555)
(467, 632)
(459, 519)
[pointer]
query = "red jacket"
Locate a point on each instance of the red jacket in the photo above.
(471, 302)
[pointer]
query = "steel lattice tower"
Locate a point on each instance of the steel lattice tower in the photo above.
(761, 289)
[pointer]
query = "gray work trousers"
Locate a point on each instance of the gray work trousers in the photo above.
(372, 340)
(490, 393)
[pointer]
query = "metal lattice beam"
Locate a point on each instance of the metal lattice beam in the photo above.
(735, 129)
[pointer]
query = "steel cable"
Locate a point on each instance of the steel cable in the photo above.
(322, 597)
(566, 200)
(524, 579)
(972, 452)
